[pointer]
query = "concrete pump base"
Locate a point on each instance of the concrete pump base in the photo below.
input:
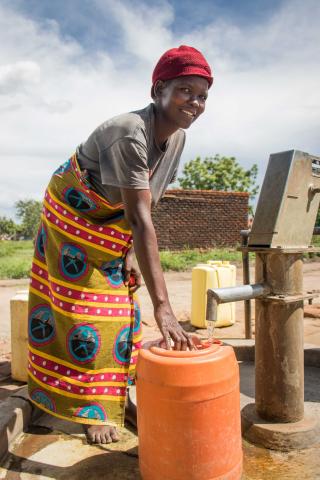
(280, 436)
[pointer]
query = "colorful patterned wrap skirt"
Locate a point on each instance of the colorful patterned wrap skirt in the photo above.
(84, 325)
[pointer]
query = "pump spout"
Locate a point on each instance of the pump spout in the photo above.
(232, 294)
(212, 306)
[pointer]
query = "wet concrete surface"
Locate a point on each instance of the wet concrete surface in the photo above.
(263, 464)
(55, 449)
(61, 453)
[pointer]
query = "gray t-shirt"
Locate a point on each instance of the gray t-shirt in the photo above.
(122, 153)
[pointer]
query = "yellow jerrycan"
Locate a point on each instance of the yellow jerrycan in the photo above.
(213, 274)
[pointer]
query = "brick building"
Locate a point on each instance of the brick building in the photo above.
(200, 218)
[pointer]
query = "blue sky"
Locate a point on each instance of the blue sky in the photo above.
(66, 66)
(73, 16)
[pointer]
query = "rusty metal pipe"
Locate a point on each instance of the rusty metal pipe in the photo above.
(240, 292)
(246, 280)
(232, 294)
(279, 340)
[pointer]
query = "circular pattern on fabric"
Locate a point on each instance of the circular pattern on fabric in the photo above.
(94, 411)
(72, 261)
(41, 325)
(64, 168)
(137, 318)
(123, 345)
(41, 241)
(83, 343)
(42, 398)
(113, 271)
(79, 200)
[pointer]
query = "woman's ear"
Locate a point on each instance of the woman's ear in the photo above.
(157, 89)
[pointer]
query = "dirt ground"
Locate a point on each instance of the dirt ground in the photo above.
(179, 287)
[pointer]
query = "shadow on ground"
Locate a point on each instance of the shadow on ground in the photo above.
(110, 465)
(45, 452)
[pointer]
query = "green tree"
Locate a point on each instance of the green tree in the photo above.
(29, 212)
(7, 227)
(219, 173)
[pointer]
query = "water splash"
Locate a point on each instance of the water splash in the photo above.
(210, 330)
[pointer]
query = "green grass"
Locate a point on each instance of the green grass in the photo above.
(15, 258)
(316, 241)
(186, 259)
(313, 256)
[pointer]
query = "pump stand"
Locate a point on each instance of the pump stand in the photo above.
(279, 419)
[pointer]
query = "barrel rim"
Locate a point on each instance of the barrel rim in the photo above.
(207, 350)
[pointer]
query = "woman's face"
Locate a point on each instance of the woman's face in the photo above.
(182, 99)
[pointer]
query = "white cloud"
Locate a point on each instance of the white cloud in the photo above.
(265, 96)
(18, 76)
(145, 27)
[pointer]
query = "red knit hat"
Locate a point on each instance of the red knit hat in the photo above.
(181, 61)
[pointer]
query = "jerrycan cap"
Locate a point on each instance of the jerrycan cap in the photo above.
(203, 348)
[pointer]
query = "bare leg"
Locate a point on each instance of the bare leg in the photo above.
(101, 433)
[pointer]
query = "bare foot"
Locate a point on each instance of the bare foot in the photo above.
(101, 433)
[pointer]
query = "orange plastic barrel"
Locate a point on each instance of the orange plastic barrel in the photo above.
(188, 407)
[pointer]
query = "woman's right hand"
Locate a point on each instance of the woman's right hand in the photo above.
(172, 330)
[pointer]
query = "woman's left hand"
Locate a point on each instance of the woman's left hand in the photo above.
(132, 274)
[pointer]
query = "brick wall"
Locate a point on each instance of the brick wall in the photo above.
(200, 218)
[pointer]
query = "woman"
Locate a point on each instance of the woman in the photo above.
(84, 319)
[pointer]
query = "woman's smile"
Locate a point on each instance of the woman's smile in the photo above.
(189, 114)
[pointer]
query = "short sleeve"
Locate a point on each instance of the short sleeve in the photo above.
(124, 164)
